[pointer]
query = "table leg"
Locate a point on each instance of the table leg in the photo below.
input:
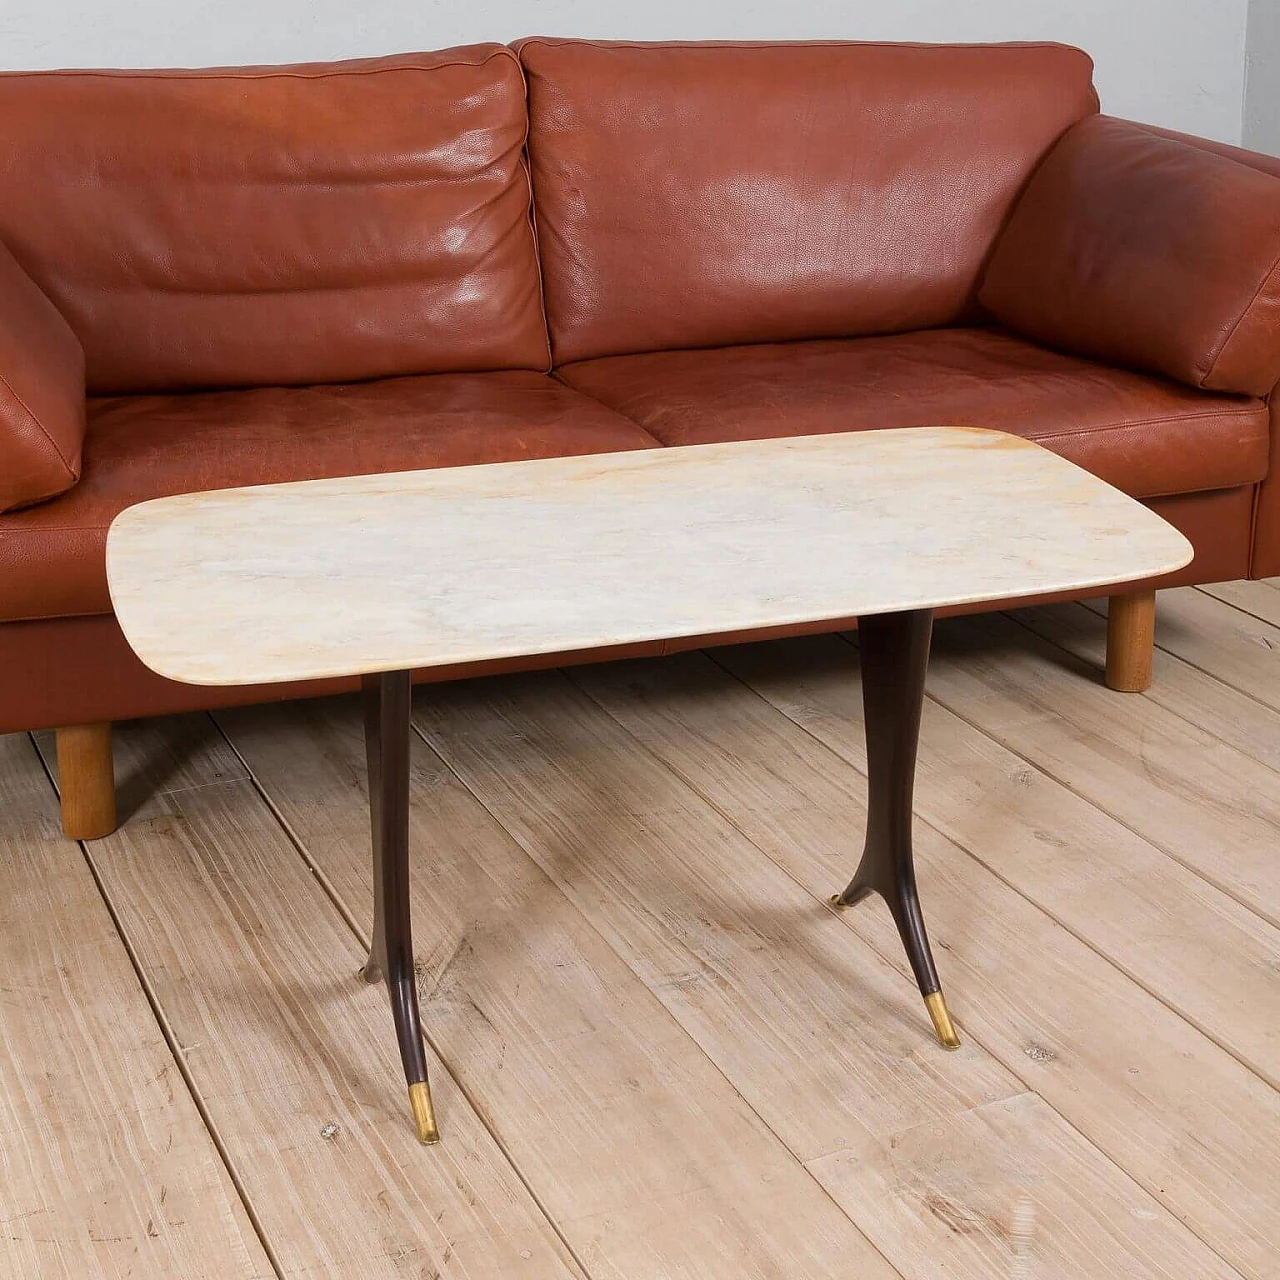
(386, 737)
(895, 653)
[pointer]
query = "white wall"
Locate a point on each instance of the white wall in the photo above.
(1178, 63)
(1262, 78)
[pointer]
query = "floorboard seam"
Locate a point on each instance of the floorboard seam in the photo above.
(1164, 706)
(1114, 963)
(1223, 888)
(1012, 1068)
(605, 940)
(1231, 604)
(1195, 666)
(1147, 840)
(348, 917)
(1044, 770)
(170, 1039)
(892, 961)
(475, 760)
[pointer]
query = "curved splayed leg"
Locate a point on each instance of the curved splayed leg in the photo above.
(895, 655)
(387, 737)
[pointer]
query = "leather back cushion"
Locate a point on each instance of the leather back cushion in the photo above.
(705, 194)
(42, 411)
(277, 225)
(1141, 249)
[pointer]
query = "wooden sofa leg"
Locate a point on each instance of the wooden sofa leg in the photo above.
(1131, 638)
(86, 780)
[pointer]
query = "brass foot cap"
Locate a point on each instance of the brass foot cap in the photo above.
(937, 1007)
(836, 900)
(424, 1114)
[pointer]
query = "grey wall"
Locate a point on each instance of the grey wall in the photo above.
(1262, 77)
(1178, 63)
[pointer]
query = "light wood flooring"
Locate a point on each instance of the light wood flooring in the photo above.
(655, 1052)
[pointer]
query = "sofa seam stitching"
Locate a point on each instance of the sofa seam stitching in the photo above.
(604, 404)
(1047, 435)
(1147, 422)
(555, 373)
(196, 73)
(59, 617)
(1191, 140)
(57, 528)
(526, 163)
(53, 444)
(557, 42)
(1255, 511)
(1240, 319)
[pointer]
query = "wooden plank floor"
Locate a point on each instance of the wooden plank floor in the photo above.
(655, 1051)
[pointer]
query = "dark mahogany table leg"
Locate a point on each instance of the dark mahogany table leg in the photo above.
(895, 653)
(386, 738)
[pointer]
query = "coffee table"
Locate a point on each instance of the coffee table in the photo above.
(377, 576)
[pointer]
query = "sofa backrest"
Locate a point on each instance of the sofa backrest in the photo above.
(278, 225)
(693, 195)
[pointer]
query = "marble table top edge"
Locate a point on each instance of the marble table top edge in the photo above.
(322, 671)
(340, 577)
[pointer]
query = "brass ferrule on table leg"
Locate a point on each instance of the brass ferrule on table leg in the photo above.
(424, 1114)
(937, 1007)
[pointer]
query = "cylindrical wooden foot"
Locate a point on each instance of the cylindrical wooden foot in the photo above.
(1131, 638)
(86, 781)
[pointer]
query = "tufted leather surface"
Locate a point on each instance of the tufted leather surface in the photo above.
(705, 194)
(52, 557)
(1142, 250)
(276, 225)
(1145, 435)
(41, 392)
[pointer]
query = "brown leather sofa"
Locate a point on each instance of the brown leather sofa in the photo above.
(237, 276)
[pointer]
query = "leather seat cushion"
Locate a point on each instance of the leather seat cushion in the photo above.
(1146, 435)
(52, 556)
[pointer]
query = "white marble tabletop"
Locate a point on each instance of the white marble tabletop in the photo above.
(427, 568)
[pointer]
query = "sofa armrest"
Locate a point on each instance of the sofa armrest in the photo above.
(1265, 562)
(42, 412)
(1150, 250)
